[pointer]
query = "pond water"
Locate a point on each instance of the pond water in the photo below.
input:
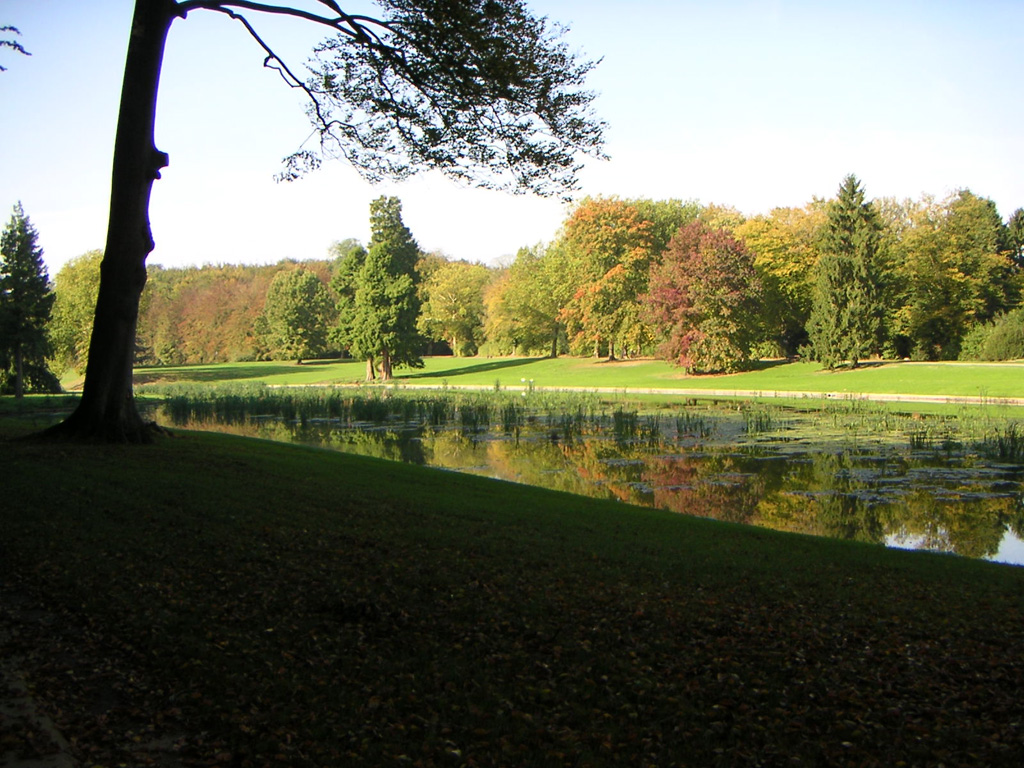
(900, 480)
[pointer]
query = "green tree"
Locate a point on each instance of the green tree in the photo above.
(846, 312)
(297, 315)
(666, 218)
(977, 233)
(340, 252)
(785, 244)
(25, 304)
(453, 306)
(75, 289)
(386, 304)
(350, 256)
(954, 271)
(1015, 236)
(528, 309)
(481, 90)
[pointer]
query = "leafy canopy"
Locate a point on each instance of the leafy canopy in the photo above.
(704, 296)
(481, 90)
(296, 315)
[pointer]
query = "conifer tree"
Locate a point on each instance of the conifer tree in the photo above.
(846, 313)
(386, 305)
(25, 304)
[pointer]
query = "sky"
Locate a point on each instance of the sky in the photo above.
(755, 104)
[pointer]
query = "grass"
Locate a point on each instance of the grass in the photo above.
(956, 379)
(213, 600)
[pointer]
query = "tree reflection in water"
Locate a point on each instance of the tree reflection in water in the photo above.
(893, 488)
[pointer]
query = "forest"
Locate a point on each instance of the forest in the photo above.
(840, 281)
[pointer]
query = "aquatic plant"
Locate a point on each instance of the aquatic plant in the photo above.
(1005, 444)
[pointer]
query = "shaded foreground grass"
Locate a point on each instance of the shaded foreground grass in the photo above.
(217, 600)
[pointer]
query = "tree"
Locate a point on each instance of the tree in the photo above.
(453, 306)
(954, 271)
(25, 304)
(666, 217)
(704, 298)
(386, 304)
(75, 288)
(527, 309)
(846, 312)
(297, 315)
(481, 90)
(785, 244)
(350, 256)
(10, 42)
(1015, 236)
(207, 314)
(609, 246)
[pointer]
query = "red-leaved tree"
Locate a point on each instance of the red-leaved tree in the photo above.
(703, 295)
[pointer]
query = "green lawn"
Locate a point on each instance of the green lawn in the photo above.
(958, 379)
(213, 600)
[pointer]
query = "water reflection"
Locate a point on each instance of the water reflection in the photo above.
(934, 495)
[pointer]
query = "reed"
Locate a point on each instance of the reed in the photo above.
(1005, 444)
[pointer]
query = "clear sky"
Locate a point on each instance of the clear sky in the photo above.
(754, 104)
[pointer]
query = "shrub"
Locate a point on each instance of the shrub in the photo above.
(1002, 339)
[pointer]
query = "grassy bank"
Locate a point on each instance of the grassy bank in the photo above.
(215, 600)
(960, 379)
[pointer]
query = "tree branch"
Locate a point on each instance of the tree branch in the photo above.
(354, 26)
(14, 45)
(471, 88)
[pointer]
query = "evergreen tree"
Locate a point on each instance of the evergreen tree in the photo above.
(846, 312)
(25, 304)
(386, 304)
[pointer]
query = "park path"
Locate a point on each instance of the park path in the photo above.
(879, 397)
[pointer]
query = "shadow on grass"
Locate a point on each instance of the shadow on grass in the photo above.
(494, 365)
(231, 371)
(210, 373)
(36, 404)
(765, 365)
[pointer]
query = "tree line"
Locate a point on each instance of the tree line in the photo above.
(703, 286)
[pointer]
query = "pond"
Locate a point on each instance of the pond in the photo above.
(944, 483)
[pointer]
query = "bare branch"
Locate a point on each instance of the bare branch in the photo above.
(352, 25)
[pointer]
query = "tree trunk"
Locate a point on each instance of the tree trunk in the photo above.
(19, 372)
(107, 411)
(554, 343)
(385, 365)
(371, 369)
